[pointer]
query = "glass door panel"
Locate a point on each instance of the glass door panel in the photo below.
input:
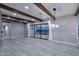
(37, 31)
(45, 31)
(32, 30)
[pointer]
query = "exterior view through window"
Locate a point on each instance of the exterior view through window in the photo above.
(39, 31)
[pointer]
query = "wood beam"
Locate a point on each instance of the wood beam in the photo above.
(4, 15)
(5, 21)
(17, 11)
(9, 20)
(42, 7)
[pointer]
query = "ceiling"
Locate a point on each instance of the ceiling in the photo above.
(33, 9)
(62, 9)
(11, 14)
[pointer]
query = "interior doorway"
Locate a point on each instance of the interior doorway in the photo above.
(6, 31)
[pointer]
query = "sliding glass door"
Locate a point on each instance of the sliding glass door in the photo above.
(39, 31)
(32, 31)
(45, 31)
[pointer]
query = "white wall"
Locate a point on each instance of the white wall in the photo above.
(26, 29)
(77, 27)
(16, 29)
(67, 31)
(0, 25)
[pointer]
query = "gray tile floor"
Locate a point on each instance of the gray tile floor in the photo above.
(35, 47)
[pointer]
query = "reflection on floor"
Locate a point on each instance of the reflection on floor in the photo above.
(35, 47)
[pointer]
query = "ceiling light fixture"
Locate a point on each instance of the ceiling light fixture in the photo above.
(32, 19)
(55, 26)
(8, 17)
(44, 17)
(54, 9)
(14, 14)
(26, 7)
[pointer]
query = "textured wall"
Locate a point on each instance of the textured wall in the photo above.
(67, 30)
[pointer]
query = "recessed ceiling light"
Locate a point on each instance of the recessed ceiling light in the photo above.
(44, 17)
(32, 19)
(14, 14)
(26, 7)
(8, 17)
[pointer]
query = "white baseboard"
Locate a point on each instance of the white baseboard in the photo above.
(13, 37)
(66, 43)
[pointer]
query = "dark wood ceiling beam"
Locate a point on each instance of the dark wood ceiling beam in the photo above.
(9, 20)
(44, 9)
(4, 15)
(17, 11)
(77, 11)
(4, 20)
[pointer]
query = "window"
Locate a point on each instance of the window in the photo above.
(39, 31)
